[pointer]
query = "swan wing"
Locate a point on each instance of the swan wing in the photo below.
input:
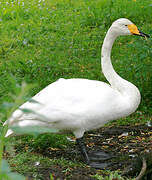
(71, 102)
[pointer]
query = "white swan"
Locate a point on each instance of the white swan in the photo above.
(80, 105)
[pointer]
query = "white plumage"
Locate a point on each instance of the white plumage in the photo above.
(79, 105)
(76, 105)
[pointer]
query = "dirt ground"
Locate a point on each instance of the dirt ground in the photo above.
(127, 145)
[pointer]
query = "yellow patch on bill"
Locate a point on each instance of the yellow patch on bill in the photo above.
(133, 29)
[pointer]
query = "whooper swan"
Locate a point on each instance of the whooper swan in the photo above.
(80, 105)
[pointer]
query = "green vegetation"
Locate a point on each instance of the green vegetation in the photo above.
(8, 108)
(111, 176)
(43, 40)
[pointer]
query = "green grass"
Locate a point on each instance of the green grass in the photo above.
(41, 41)
(32, 162)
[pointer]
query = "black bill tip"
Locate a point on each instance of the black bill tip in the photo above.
(144, 35)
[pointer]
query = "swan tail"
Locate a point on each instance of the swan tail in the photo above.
(9, 133)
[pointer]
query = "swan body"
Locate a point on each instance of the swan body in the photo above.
(76, 105)
(79, 105)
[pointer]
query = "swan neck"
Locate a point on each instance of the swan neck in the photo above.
(108, 43)
(106, 64)
(125, 88)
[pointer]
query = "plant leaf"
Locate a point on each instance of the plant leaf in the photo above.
(7, 105)
(25, 110)
(16, 176)
(33, 130)
(5, 166)
(33, 101)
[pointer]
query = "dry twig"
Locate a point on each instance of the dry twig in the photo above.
(143, 170)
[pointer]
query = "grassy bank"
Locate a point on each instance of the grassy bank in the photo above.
(43, 40)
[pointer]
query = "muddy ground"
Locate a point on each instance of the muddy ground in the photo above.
(127, 145)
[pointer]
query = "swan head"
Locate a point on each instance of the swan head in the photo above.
(124, 26)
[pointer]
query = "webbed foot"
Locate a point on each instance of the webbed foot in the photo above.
(94, 159)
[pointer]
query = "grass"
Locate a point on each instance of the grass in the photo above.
(42, 40)
(38, 46)
(33, 161)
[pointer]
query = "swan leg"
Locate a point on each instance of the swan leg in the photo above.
(95, 159)
(82, 147)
